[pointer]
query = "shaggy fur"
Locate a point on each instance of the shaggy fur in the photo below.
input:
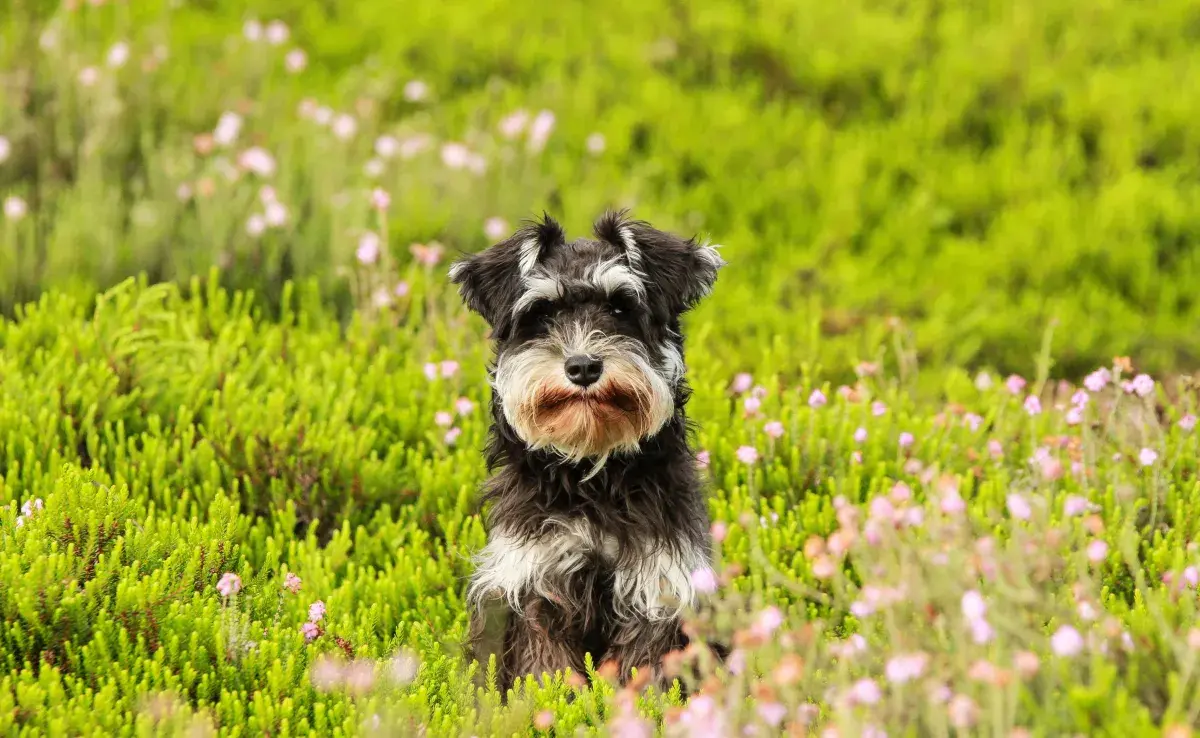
(595, 514)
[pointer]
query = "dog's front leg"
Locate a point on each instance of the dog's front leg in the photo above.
(642, 644)
(541, 641)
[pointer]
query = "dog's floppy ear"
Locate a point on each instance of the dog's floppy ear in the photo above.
(679, 272)
(491, 281)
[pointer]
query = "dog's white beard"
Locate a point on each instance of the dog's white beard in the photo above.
(630, 402)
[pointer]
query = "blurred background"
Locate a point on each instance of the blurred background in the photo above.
(962, 181)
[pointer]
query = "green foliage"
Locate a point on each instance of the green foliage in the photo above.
(174, 437)
(978, 170)
(212, 396)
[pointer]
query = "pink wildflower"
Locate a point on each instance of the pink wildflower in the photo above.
(772, 713)
(963, 711)
(368, 248)
(952, 502)
(1066, 641)
(1097, 380)
(702, 459)
(344, 126)
(449, 368)
(1033, 405)
(1147, 457)
(878, 408)
(292, 583)
(1075, 416)
(403, 667)
(539, 130)
(1075, 505)
(415, 90)
(14, 208)
(973, 421)
(719, 531)
(774, 429)
(427, 255)
(983, 381)
(817, 399)
(747, 454)
(865, 692)
(452, 436)
(295, 61)
(230, 584)
(742, 382)
(316, 611)
(512, 124)
(860, 435)
(768, 621)
(1143, 385)
(380, 199)
(974, 607)
(310, 630)
(1097, 551)
(464, 406)
(1187, 422)
(906, 667)
(1026, 663)
(1015, 384)
(704, 580)
(495, 228)
(1018, 507)
(595, 144)
(751, 404)
(906, 439)
(443, 418)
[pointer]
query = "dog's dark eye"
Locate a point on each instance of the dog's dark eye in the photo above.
(620, 303)
(536, 315)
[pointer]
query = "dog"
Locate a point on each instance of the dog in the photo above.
(595, 514)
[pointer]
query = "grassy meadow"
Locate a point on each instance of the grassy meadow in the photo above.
(942, 389)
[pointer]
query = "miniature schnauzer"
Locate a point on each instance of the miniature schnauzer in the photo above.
(596, 518)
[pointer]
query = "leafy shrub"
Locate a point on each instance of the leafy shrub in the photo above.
(215, 520)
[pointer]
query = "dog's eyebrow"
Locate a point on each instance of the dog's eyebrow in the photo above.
(612, 275)
(540, 286)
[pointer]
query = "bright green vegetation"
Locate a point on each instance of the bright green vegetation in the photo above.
(936, 187)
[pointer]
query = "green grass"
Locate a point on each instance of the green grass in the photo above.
(935, 188)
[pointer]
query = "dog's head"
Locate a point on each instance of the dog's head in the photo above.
(589, 354)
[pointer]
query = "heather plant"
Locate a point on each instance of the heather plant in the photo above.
(972, 173)
(241, 411)
(212, 523)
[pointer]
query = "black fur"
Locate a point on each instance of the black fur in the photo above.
(654, 494)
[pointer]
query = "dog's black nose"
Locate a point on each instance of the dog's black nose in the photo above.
(584, 370)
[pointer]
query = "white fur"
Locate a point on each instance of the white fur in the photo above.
(456, 269)
(672, 362)
(513, 567)
(611, 276)
(709, 253)
(529, 250)
(653, 582)
(657, 584)
(632, 252)
(539, 286)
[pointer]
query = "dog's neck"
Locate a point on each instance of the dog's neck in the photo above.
(651, 490)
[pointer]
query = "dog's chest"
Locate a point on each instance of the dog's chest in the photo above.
(648, 578)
